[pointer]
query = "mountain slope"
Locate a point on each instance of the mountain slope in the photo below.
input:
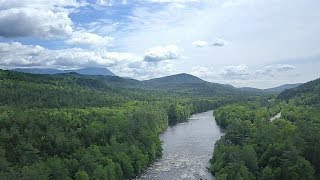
(308, 93)
(93, 71)
(186, 84)
(38, 70)
(174, 80)
(85, 71)
(277, 89)
(282, 87)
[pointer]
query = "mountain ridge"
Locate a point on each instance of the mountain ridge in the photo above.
(181, 78)
(84, 71)
(277, 89)
(167, 82)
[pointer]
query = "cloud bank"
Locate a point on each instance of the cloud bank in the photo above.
(161, 53)
(274, 69)
(235, 72)
(24, 22)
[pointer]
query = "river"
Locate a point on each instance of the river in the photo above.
(187, 148)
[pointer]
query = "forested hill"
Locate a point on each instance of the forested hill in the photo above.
(282, 88)
(186, 84)
(308, 93)
(85, 71)
(259, 145)
(277, 89)
(176, 85)
(72, 126)
(175, 79)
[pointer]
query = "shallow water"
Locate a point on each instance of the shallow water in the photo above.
(187, 148)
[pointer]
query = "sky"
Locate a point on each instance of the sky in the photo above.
(245, 43)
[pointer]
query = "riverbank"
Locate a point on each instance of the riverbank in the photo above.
(187, 148)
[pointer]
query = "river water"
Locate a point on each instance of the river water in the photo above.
(187, 148)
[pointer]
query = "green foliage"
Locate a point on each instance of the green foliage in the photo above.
(71, 126)
(254, 147)
(308, 93)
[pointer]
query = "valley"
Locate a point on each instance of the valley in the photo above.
(79, 126)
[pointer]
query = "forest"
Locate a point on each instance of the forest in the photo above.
(257, 146)
(71, 126)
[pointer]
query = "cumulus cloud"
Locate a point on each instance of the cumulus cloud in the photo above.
(19, 55)
(219, 42)
(201, 43)
(235, 72)
(21, 22)
(43, 4)
(161, 53)
(15, 54)
(201, 71)
(86, 38)
(110, 2)
(144, 70)
(34, 18)
(274, 69)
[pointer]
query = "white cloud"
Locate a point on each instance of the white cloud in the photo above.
(219, 42)
(144, 70)
(161, 53)
(201, 71)
(87, 38)
(124, 64)
(21, 22)
(18, 55)
(234, 3)
(110, 2)
(40, 4)
(200, 43)
(235, 72)
(104, 2)
(275, 69)
(33, 18)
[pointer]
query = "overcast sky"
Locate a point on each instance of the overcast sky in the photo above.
(257, 43)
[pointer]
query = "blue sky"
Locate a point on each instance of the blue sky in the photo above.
(257, 43)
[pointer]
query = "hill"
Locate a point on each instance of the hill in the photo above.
(186, 84)
(174, 80)
(308, 93)
(277, 89)
(176, 85)
(85, 71)
(281, 88)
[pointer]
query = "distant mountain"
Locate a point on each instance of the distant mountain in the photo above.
(186, 84)
(250, 89)
(38, 70)
(93, 71)
(277, 89)
(282, 87)
(307, 93)
(84, 71)
(176, 85)
(174, 80)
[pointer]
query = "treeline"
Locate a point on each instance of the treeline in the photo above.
(257, 147)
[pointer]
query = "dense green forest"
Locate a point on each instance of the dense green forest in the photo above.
(71, 126)
(257, 146)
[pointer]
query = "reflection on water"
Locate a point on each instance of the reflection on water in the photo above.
(187, 148)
